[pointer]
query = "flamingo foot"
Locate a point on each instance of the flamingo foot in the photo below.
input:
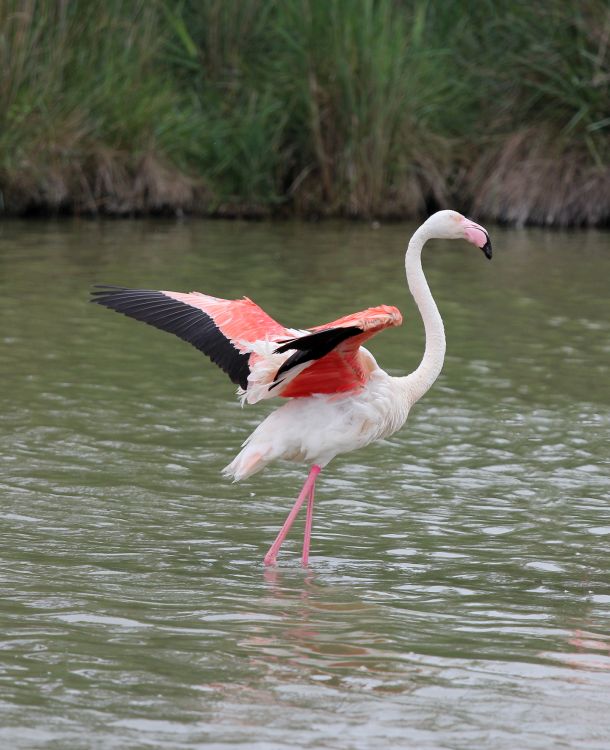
(305, 494)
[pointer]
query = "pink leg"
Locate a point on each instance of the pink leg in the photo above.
(308, 522)
(271, 555)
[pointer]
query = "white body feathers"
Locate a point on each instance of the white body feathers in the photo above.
(315, 429)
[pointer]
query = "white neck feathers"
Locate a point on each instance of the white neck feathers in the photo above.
(418, 382)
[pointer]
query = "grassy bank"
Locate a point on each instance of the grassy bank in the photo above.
(364, 108)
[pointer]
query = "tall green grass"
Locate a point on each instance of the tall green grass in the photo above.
(341, 102)
(365, 108)
(86, 110)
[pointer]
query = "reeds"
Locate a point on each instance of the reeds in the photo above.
(364, 108)
(85, 111)
(547, 160)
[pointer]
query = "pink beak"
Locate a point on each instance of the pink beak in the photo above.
(478, 236)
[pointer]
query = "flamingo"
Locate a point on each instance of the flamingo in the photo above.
(338, 398)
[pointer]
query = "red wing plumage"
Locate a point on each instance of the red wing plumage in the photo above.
(343, 368)
(372, 320)
(328, 357)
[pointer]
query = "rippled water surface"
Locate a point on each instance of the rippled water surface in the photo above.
(458, 594)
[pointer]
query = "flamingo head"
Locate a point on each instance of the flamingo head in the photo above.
(451, 225)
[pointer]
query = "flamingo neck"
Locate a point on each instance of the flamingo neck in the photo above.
(420, 381)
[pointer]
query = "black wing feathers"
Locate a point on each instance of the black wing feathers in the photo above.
(314, 346)
(188, 323)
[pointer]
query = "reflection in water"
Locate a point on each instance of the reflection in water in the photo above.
(307, 648)
(315, 634)
(587, 651)
(586, 645)
(457, 594)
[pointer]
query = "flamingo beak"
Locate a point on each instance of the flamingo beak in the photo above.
(487, 249)
(478, 236)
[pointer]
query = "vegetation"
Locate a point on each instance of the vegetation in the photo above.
(364, 108)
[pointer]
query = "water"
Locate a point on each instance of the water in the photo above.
(458, 593)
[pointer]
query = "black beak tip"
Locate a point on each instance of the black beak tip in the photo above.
(487, 249)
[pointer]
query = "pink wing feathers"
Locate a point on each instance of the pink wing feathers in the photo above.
(240, 320)
(337, 364)
(328, 358)
(219, 328)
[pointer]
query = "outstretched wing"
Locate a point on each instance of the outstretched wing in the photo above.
(329, 359)
(219, 328)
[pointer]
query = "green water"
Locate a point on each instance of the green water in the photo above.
(458, 594)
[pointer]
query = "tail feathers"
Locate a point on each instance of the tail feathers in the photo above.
(245, 464)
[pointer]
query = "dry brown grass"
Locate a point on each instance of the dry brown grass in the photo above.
(99, 182)
(532, 177)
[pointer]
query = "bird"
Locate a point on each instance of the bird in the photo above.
(336, 397)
